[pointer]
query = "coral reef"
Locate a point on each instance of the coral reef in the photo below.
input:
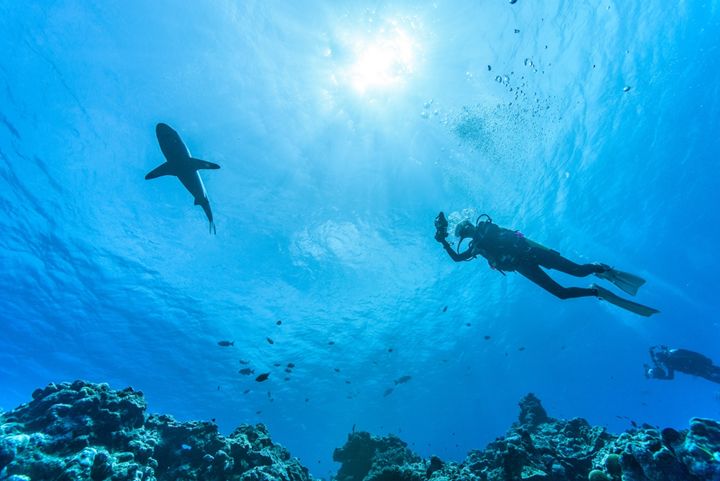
(84, 431)
(89, 432)
(540, 448)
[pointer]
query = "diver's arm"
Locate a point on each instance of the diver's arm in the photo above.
(464, 256)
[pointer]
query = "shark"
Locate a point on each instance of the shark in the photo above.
(181, 164)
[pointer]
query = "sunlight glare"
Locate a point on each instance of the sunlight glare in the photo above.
(385, 61)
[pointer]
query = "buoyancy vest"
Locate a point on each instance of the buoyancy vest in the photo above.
(503, 248)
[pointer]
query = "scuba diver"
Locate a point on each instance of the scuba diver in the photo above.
(509, 250)
(667, 361)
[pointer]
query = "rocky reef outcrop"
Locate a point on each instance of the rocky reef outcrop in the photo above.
(541, 448)
(84, 431)
(88, 432)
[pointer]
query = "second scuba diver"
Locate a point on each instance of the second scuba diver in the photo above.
(666, 361)
(509, 250)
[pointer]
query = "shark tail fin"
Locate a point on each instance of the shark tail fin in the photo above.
(198, 164)
(159, 171)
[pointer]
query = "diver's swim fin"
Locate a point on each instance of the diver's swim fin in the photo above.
(629, 283)
(626, 304)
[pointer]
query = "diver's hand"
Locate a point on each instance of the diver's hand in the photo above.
(440, 236)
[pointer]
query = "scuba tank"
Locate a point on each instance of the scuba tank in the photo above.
(503, 248)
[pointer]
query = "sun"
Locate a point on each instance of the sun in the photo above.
(384, 61)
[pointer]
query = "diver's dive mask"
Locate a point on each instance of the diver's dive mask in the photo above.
(464, 229)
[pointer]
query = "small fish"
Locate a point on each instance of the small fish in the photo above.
(258, 412)
(278, 322)
(246, 391)
(388, 392)
(185, 447)
(307, 399)
(269, 393)
(626, 88)
(337, 369)
(347, 381)
(270, 341)
(468, 324)
(330, 343)
(487, 338)
(277, 364)
(290, 365)
(263, 377)
(246, 371)
(212, 420)
(243, 361)
(226, 343)
(402, 379)
(521, 348)
(445, 309)
(286, 378)
(390, 349)
(288, 370)
(634, 424)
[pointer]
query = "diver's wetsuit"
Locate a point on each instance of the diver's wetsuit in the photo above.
(667, 361)
(507, 250)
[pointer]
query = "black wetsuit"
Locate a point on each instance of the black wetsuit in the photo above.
(667, 361)
(508, 250)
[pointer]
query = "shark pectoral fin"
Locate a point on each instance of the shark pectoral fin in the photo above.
(198, 164)
(159, 171)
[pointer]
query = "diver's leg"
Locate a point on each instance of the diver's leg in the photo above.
(553, 260)
(712, 374)
(540, 277)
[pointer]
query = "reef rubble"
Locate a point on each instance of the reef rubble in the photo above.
(540, 448)
(89, 432)
(83, 431)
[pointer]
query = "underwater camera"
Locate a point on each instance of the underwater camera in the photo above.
(441, 226)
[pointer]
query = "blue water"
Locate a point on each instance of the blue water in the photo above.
(342, 128)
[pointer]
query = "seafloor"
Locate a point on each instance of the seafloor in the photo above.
(84, 431)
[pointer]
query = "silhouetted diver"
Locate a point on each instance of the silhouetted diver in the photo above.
(183, 166)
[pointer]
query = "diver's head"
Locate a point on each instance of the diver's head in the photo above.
(662, 355)
(464, 229)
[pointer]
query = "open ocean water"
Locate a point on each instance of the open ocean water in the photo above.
(341, 129)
